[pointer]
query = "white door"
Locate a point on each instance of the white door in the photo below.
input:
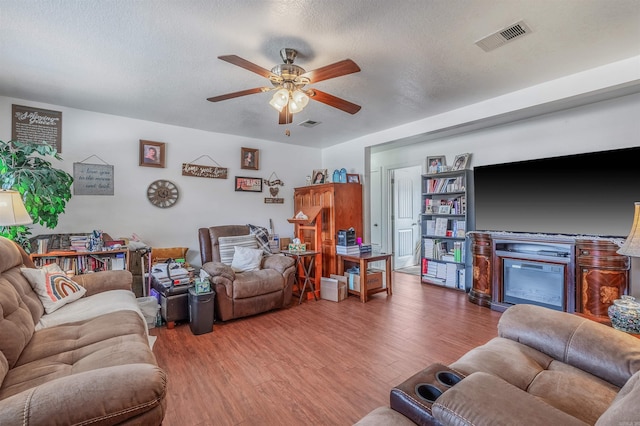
(406, 216)
(376, 208)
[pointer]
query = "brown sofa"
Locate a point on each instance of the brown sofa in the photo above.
(97, 370)
(544, 368)
(245, 293)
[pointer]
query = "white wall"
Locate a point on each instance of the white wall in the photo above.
(202, 203)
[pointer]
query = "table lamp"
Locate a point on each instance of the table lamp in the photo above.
(631, 246)
(12, 210)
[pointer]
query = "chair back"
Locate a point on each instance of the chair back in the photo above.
(208, 238)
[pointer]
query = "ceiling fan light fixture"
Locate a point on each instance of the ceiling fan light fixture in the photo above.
(280, 99)
(300, 98)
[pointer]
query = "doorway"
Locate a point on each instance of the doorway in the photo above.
(406, 184)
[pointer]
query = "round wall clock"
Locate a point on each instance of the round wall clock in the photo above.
(162, 193)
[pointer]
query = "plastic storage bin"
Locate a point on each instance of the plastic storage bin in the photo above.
(201, 311)
(149, 307)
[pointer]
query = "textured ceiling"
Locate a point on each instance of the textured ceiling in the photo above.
(157, 60)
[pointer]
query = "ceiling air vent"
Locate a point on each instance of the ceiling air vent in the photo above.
(309, 123)
(504, 36)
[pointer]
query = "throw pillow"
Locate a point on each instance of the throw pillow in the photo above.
(246, 259)
(226, 246)
(262, 235)
(53, 288)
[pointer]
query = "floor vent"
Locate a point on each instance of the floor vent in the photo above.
(504, 36)
(309, 123)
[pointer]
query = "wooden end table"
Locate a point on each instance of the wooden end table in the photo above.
(363, 260)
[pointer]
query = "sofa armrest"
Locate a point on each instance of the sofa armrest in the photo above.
(600, 350)
(220, 275)
(484, 399)
(97, 282)
(624, 410)
(279, 263)
(111, 395)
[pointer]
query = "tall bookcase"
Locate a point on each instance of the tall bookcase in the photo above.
(447, 214)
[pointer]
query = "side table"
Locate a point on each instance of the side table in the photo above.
(306, 267)
(363, 260)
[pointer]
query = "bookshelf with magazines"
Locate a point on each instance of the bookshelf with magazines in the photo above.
(446, 217)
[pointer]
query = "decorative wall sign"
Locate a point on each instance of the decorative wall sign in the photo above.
(92, 179)
(274, 183)
(197, 170)
(248, 184)
(36, 125)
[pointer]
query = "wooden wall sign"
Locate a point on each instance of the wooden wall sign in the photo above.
(197, 170)
(274, 200)
(36, 125)
(92, 179)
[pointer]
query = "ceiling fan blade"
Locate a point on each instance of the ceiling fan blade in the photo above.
(285, 116)
(338, 69)
(238, 94)
(243, 63)
(333, 101)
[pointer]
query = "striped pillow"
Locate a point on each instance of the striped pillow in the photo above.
(226, 246)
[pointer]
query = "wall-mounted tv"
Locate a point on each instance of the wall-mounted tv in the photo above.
(583, 194)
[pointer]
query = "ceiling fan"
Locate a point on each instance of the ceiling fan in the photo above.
(289, 82)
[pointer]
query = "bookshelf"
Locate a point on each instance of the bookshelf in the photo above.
(447, 214)
(84, 262)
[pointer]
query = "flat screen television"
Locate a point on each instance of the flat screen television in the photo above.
(582, 194)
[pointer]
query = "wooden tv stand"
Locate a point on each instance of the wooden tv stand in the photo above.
(595, 274)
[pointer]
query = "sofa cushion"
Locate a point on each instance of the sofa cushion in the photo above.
(227, 246)
(262, 236)
(257, 283)
(246, 259)
(53, 288)
(625, 409)
(108, 340)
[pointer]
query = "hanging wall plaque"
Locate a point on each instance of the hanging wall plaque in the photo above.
(92, 179)
(197, 170)
(36, 125)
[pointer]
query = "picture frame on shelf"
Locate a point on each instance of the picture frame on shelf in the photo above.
(249, 158)
(319, 176)
(353, 178)
(248, 184)
(152, 154)
(436, 163)
(444, 209)
(461, 161)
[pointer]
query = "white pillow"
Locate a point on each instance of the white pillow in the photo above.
(53, 287)
(227, 245)
(246, 259)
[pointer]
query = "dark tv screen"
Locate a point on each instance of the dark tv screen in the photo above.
(583, 194)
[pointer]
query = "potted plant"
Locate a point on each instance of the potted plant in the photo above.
(45, 190)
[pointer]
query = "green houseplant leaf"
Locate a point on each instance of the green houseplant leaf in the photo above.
(45, 190)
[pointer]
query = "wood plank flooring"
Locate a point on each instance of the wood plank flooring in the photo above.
(318, 363)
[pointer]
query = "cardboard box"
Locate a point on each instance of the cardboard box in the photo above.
(374, 280)
(334, 288)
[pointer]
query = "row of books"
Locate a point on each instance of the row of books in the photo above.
(444, 227)
(447, 274)
(85, 263)
(445, 250)
(455, 205)
(78, 242)
(353, 250)
(444, 185)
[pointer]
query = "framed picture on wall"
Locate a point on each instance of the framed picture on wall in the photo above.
(249, 159)
(152, 154)
(248, 184)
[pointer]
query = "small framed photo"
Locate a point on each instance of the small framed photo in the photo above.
(249, 159)
(319, 176)
(152, 154)
(248, 184)
(461, 162)
(353, 178)
(436, 164)
(444, 209)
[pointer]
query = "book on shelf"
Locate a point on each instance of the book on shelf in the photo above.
(441, 226)
(348, 250)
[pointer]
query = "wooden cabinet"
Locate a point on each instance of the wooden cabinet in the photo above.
(601, 277)
(341, 209)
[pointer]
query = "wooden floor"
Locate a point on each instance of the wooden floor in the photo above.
(318, 363)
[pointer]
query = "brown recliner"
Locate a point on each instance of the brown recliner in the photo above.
(245, 293)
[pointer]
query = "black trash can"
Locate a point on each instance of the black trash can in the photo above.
(201, 311)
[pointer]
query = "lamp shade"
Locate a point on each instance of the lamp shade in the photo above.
(12, 210)
(631, 246)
